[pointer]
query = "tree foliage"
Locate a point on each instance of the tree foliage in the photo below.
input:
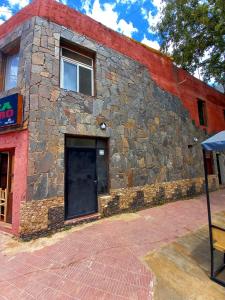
(193, 31)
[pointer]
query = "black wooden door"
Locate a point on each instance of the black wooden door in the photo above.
(81, 184)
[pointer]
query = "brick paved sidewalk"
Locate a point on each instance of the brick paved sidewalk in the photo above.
(102, 260)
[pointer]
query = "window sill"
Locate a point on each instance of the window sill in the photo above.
(73, 93)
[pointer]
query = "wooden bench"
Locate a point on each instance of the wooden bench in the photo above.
(218, 235)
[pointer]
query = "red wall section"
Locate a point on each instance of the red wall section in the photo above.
(18, 141)
(167, 76)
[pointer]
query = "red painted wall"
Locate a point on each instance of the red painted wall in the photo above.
(167, 76)
(18, 141)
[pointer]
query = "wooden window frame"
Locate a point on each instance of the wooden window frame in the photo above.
(78, 64)
(81, 51)
(8, 50)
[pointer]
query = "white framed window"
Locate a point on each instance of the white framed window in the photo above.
(11, 71)
(76, 72)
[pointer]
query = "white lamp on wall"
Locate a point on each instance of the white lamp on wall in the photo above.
(103, 126)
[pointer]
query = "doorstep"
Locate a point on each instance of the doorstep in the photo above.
(83, 219)
(6, 227)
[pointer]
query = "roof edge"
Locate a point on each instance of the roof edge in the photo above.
(73, 20)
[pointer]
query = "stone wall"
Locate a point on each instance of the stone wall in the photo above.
(43, 216)
(38, 217)
(149, 132)
(149, 129)
(152, 195)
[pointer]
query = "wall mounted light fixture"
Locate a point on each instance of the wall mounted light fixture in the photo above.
(103, 126)
(195, 141)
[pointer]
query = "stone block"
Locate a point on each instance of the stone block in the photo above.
(38, 59)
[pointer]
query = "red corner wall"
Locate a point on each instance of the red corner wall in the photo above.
(17, 141)
(166, 75)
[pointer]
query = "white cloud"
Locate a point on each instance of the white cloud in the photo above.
(109, 17)
(128, 2)
(197, 74)
(62, 1)
(6, 11)
(153, 19)
(86, 6)
(144, 12)
(126, 28)
(5, 14)
(20, 3)
(152, 44)
(105, 15)
(157, 3)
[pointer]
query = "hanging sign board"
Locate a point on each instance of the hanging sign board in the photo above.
(11, 110)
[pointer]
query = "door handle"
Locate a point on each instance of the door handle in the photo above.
(95, 181)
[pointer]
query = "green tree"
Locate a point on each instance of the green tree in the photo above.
(193, 32)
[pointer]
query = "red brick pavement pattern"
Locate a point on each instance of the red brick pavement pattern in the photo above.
(103, 261)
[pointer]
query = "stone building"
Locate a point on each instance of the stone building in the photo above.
(93, 123)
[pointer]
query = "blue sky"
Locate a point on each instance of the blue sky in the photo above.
(133, 18)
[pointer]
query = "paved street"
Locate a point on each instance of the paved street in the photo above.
(101, 260)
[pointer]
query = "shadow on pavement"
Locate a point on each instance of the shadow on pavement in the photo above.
(182, 269)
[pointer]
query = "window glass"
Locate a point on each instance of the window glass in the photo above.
(76, 56)
(72, 142)
(202, 112)
(69, 76)
(85, 81)
(77, 72)
(11, 71)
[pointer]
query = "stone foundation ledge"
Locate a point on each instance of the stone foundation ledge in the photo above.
(38, 216)
(129, 199)
(41, 217)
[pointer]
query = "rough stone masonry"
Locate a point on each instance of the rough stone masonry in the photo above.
(149, 130)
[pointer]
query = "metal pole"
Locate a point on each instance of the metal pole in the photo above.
(209, 212)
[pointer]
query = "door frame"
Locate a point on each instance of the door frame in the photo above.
(10, 173)
(218, 167)
(66, 186)
(65, 169)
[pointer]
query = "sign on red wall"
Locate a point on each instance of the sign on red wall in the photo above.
(11, 110)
